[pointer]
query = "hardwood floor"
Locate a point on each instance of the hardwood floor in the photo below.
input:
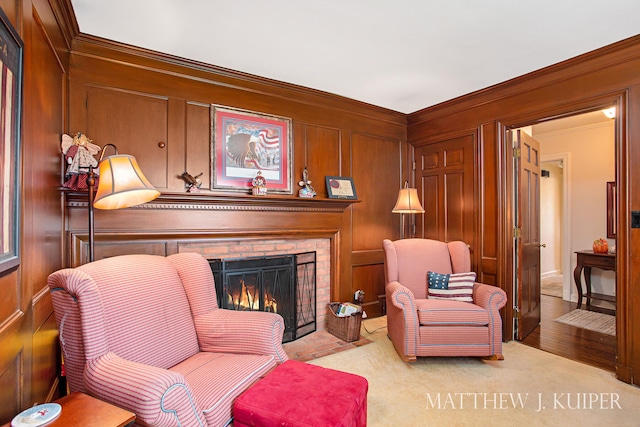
(578, 344)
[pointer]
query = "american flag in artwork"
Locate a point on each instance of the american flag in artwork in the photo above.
(261, 147)
(457, 286)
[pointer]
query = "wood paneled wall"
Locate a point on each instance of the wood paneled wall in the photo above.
(157, 108)
(610, 75)
(29, 360)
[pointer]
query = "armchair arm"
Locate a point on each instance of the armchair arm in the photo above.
(492, 299)
(402, 319)
(489, 297)
(229, 331)
(158, 397)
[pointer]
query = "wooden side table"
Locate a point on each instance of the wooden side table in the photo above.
(81, 410)
(585, 261)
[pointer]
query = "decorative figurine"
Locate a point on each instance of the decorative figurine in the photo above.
(306, 190)
(78, 153)
(259, 185)
(192, 182)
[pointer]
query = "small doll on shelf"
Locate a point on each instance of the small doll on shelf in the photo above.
(78, 154)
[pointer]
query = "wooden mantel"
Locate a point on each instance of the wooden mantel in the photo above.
(230, 202)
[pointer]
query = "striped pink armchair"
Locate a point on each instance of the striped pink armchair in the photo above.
(145, 333)
(455, 316)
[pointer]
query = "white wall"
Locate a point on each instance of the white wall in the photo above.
(592, 164)
(551, 204)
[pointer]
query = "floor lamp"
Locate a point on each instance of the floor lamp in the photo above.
(408, 203)
(121, 185)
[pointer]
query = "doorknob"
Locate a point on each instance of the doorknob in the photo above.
(544, 245)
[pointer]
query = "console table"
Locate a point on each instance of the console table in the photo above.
(585, 261)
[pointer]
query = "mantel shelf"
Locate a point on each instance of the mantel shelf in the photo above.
(228, 202)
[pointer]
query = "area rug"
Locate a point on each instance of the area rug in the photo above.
(529, 387)
(594, 321)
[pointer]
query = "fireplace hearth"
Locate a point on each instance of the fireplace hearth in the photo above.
(282, 284)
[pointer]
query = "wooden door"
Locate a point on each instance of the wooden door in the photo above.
(527, 173)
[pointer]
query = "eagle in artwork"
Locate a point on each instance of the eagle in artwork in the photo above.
(241, 150)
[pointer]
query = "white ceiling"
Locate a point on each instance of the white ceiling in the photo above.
(404, 55)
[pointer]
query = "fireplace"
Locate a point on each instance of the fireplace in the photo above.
(283, 284)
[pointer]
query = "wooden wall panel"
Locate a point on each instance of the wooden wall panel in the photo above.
(198, 142)
(489, 164)
(446, 185)
(370, 279)
(378, 162)
(321, 154)
(137, 124)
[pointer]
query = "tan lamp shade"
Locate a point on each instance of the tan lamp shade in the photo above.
(122, 184)
(408, 202)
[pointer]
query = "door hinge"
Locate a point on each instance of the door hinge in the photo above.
(414, 165)
(516, 153)
(517, 232)
(516, 313)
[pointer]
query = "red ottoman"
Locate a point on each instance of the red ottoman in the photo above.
(300, 394)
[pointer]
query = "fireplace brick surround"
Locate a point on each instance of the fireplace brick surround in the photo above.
(244, 248)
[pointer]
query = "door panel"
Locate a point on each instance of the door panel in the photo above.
(528, 245)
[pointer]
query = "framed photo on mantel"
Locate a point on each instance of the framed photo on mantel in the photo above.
(340, 187)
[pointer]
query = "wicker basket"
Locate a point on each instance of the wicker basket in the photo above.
(346, 328)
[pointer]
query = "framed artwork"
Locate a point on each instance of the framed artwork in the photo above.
(340, 187)
(11, 52)
(611, 210)
(245, 142)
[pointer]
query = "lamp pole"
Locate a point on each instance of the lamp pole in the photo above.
(91, 182)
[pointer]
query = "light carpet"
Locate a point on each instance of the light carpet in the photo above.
(591, 320)
(529, 387)
(552, 286)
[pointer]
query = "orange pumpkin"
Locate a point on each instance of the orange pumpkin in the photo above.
(600, 246)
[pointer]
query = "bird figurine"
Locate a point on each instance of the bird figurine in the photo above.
(191, 182)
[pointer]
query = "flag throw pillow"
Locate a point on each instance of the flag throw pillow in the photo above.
(457, 286)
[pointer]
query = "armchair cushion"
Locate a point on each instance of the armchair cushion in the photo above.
(457, 286)
(450, 312)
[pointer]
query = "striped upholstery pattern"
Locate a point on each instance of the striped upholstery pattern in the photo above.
(218, 379)
(225, 331)
(134, 329)
(450, 312)
(419, 326)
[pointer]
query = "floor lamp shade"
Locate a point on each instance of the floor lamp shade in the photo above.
(408, 202)
(122, 184)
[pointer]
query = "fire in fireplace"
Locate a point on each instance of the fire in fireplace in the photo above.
(283, 284)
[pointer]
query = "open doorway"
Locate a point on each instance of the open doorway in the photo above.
(555, 225)
(577, 159)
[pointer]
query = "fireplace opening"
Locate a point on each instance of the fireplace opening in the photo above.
(282, 284)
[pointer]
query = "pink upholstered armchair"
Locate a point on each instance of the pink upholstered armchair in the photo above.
(420, 325)
(145, 333)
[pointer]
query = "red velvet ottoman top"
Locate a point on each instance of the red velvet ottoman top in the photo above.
(300, 394)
